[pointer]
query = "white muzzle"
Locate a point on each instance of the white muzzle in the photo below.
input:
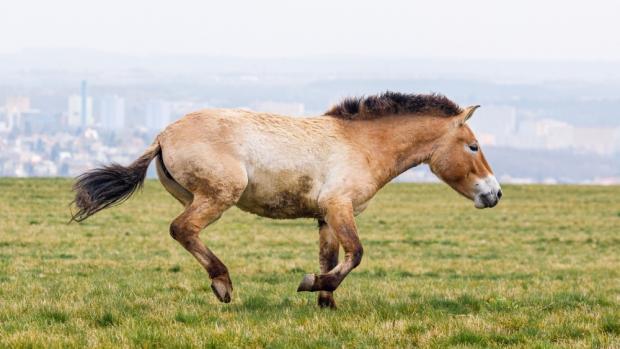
(487, 192)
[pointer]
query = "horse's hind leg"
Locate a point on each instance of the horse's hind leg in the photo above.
(328, 259)
(199, 214)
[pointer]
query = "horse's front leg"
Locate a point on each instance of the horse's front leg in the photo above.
(339, 217)
(328, 259)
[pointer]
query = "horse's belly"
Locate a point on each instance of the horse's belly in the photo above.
(283, 205)
(280, 195)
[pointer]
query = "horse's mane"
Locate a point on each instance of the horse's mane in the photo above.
(390, 103)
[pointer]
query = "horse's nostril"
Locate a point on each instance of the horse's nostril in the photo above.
(499, 194)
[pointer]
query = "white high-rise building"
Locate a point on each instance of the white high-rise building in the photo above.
(494, 125)
(75, 118)
(13, 108)
(616, 142)
(112, 113)
(595, 140)
(555, 134)
(158, 114)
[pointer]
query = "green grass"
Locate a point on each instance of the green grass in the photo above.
(540, 270)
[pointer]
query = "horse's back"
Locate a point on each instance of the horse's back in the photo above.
(287, 161)
(280, 162)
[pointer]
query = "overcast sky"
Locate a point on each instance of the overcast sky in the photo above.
(524, 29)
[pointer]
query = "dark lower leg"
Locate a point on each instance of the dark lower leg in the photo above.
(185, 230)
(341, 222)
(218, 273)
(328, 259)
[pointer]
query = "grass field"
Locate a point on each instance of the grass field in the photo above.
(540, 270)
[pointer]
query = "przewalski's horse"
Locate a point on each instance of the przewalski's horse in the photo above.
(326, 167)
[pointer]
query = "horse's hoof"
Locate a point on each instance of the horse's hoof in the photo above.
(307, 283)
(326, 301)
(222, 289)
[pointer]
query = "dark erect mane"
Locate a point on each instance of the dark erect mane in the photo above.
(390, 103)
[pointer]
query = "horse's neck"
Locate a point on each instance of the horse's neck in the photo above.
(396, 144)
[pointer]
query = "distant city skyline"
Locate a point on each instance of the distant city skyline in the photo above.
(530, 136)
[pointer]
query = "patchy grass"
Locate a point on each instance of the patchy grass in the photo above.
(611, 324)
(106, 319)
(540, 270)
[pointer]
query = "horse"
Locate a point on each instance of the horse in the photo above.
(326, 167)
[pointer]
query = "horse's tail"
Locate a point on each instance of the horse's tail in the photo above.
(110, 185)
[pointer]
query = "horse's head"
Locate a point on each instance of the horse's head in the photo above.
(457, 159)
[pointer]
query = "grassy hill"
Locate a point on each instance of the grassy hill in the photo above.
(541, 269)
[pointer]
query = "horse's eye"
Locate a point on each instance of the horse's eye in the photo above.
(473, 147)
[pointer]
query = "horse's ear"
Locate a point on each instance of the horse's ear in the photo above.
(466, 114)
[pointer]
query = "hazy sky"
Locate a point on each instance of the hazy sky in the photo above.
(493, 29)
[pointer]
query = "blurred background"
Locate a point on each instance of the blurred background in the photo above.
(84, 83)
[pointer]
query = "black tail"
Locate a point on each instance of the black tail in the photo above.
(110, 185)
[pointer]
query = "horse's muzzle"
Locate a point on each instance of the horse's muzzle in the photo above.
(489, 199)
